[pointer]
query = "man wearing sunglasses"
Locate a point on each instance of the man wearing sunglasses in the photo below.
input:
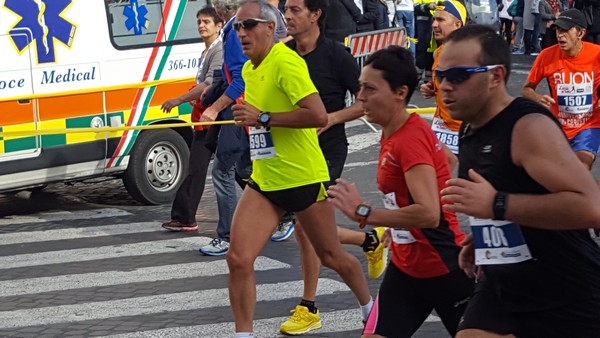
(529, 202)
(572, 69)
(448, 17)
(282, 108)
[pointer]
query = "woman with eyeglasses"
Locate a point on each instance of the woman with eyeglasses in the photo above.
(425, 239)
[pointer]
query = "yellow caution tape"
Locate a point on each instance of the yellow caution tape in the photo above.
(24, 133)
(429, 110)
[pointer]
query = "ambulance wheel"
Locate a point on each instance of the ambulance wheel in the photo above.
(158, 164)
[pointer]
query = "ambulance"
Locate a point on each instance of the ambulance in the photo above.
(67, 64)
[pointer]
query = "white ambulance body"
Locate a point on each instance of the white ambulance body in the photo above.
(92, 63)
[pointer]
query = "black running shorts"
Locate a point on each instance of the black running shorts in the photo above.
(293, 199)
(485, 312)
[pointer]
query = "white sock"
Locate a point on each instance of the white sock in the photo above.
(244, 335)
(366, 309)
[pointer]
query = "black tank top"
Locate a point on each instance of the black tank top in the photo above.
(566, 264)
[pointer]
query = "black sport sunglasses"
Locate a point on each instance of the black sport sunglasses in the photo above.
(248, 24)
(457, 75)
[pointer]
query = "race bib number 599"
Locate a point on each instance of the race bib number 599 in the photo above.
(261, 143)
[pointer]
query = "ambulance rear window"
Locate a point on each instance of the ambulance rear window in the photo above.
(137, 23)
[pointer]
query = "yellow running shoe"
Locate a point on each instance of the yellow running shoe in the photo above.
(377, 258)
(301, 321)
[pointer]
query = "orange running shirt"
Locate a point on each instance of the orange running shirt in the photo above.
(441, 111)
(573, 83)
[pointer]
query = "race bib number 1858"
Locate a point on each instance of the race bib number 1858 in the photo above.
(445, 135)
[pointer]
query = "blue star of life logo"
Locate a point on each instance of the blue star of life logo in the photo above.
(41, 22)
(136, 17)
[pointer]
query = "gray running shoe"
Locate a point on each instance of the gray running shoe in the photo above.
(284, 230)
(216, 247)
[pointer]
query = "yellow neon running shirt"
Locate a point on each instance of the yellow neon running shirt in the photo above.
(275, 86)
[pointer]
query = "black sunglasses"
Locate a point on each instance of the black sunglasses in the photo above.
(457, 75)
(248, 24)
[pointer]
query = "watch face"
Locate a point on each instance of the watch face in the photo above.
(264, 118)
(362, 210)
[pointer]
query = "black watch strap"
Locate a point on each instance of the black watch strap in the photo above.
(499, 205)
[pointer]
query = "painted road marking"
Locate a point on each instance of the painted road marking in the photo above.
(50, 216)
(141, 275)
(104, 252)
(334, 321)
(78, 233)
(361, 141)
(183, 301)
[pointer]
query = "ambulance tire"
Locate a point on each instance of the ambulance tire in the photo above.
(158, 164)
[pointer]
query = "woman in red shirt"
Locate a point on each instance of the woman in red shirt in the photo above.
(424, 274)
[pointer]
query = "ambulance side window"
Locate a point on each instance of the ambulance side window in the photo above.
(188, 29)
(136, 23)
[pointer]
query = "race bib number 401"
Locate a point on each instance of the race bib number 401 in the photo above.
(498, 242)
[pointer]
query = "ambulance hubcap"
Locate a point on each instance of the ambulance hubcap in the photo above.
(163, 166)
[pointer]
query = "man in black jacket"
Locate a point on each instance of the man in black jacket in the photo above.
(591, 10)
(342, 20)
(373, 18)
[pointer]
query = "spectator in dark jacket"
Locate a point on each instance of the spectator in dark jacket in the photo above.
(371, 13)
(547, 16)
(591, 10)
(383, 20)
(341, 20)
(518, 47)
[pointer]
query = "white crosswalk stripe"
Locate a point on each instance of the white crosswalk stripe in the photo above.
(58, 281)
(193, 300)
(63, 216)
(168, 301)
(151, 274)
(334, 321)
(103, 252)
(74, 233)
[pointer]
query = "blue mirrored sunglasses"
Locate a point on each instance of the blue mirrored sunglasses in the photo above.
(248, 24)
(457, 75)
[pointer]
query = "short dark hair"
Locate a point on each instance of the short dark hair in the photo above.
(212, 12)
(314, 5)
(398, 67)
(494, 49)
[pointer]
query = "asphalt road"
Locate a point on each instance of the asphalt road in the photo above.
(84, 259)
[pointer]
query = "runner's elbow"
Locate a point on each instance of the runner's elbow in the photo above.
(430, 219)
(321, 119)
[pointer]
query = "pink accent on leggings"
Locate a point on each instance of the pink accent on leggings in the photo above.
(373, 316)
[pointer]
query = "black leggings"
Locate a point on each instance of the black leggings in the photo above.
(404, 302)
(506, 28)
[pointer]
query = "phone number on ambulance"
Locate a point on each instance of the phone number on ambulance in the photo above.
(183, 64)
